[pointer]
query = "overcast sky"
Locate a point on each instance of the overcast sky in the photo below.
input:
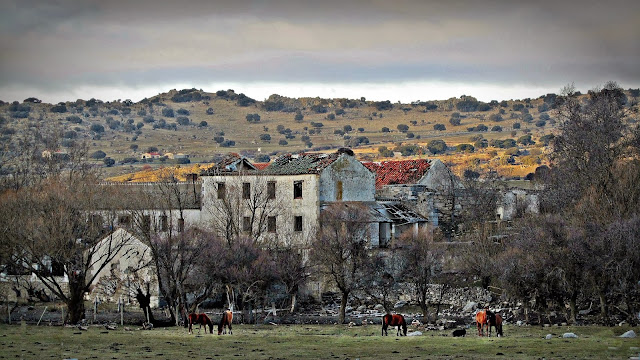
(382, 50)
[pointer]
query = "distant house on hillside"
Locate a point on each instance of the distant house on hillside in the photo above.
(151, 155)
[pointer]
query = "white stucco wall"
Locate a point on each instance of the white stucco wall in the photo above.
(358, 183)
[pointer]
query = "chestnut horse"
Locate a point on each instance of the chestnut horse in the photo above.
(227, 318)
(201, 319)
(496, 321)
(481, 321)
(394, 320)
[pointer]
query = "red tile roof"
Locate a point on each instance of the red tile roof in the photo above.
(260, 166)
(398, 172)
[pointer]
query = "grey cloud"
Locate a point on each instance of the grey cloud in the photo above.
(60, 44)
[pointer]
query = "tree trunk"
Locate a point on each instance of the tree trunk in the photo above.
(573, 307)
(144, 300)
(603, 306)
(343, 307)
(75, 301)
(422, 300)
(293, 303)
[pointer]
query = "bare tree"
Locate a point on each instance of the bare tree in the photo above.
(52, 236)
(292, 270)
(423, 258)
(340, 248)
(243, 208)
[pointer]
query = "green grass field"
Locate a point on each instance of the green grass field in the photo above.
(310, 342)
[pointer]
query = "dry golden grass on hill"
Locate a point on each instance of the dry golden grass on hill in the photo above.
(129, 131)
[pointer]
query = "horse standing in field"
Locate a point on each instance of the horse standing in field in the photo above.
(201, 319)
(227, 319)
(394, 320)
(496, 321)
(481, 321)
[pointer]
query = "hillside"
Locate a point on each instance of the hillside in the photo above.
(204, 125)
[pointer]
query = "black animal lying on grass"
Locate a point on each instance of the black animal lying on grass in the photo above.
(459, 332)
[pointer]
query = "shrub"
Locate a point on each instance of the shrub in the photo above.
(183, 111)
(455, 121)
(483, 107)
(385, 130)
(437, 146)
(496, 128)
(360, 129)
(339, 111)
(253, 118)
(347, 128)
(331, 116)
(317, 124)
(544, 117)
(98, 155)
(70, 134)
(384, 152)
(97, 128)
(496, 117)
(228, 143)
(183, 120)
(525, 140)
(383, 105)
(183, 161)
(113, 112)
(408, 150)
(148, 119)
(74, 119)
(481, 143)
(527, 118)
(541, 123)
(218, 139)
(298, 117)
(338, 132)
(168, 112)
(210, 111)
(410, 135)
(265, 137)
(318, 109)
(546, 139)
(518, 107)
(108, 162)
(516, 125)
(439, 127)
(204, 124)
(142, 112)
(467, 104)
(60, 108)
(402, 128)
(283, 142)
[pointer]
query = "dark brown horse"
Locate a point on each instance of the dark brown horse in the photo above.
(394, 320)
(496, 321)
(227, 319)
(201, 319)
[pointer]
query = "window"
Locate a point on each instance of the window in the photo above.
(297, 224)
(124, 220)
(246, 224)
(271, 224)
(246, 190)
(180, 225)
(271, 190)
(297, 189)
(339, 191)
(221, 190)
(164, 223)
(146, 223)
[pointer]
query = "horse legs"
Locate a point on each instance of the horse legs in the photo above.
(384, 330)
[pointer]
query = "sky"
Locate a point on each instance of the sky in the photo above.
(401, 50)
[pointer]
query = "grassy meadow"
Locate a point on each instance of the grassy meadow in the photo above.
(310, 342)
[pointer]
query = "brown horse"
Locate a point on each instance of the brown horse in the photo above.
(227, 318)
(201, 319)
(481, 321)
(394, 320)
(496, 321)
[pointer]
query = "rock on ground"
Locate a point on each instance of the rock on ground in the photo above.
(569, 335)
(629, 334)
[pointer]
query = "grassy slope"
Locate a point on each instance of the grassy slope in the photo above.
(308, 341)
(231, 118)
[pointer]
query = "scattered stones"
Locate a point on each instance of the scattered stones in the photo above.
(471, 305)
(415, 333)
(629, 334)
(379, 307)
(569, 335)
(400, 304)
(549, 337)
